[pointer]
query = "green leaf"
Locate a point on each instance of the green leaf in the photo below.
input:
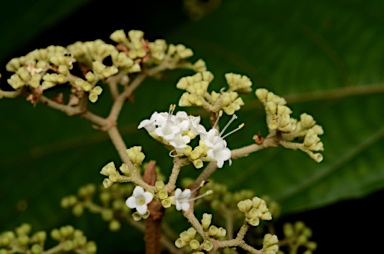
(327, 60)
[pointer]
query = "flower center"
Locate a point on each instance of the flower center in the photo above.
(141, 201)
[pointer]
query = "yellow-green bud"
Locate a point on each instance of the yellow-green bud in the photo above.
(191, 232)
(118, 36)
(207, 245)
(198, 163)
(253, 221)
(167, 202)
(13, 65)
(163, 194)
(206, 221)
(179, 243)
(221, 232)
(245, 205)
(194, 244)
(107, 183)
(107, 214)
(159, 185)
(213, 230)
(136, 216)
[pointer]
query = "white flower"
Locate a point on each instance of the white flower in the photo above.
(181, 199)
(179, 142)
(220, 153)
(139, 200)
(216, 147)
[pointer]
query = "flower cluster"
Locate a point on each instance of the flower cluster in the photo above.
(270, 245)
(279, 120)
(176, 132)
(196, 94)
(187, 238)
(70, 240)
(254, 210)
(297, 235)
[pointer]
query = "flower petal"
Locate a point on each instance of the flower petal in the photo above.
(185, 206)
(148, 197)
(142, 209)
(138, 191)
(131, 202)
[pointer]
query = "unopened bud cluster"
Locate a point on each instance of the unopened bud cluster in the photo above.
(21, 241)
(279, 119)
(197, 94)
(45, 68)
(193, 241)
(254, 210)
(297, 235)
(111, 206)
(270, 244)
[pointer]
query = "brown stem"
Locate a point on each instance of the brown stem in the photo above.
(120, 146)
(153, 222)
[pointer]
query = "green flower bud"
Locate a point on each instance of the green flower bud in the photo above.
(23, 239)
(67, 245)
(105, 197)
(41, 236)
(107, 214)
(78, 210)
(107, 183)
(36, 249)
(299, 226)
(114, 225)
(55, 234)
(66, 231)
(91, 247)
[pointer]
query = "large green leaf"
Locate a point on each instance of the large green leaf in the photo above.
(326, 49)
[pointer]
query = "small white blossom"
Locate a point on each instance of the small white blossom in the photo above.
(181, 199)
(216, 147)
(139, 200)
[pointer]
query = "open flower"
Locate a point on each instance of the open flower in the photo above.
(181, 199)
(139, 200)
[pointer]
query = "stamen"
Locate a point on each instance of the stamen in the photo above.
(226, 126)
(174, 155)
(217, 120)
(201, 185)
(229, 133)
(202, 195)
